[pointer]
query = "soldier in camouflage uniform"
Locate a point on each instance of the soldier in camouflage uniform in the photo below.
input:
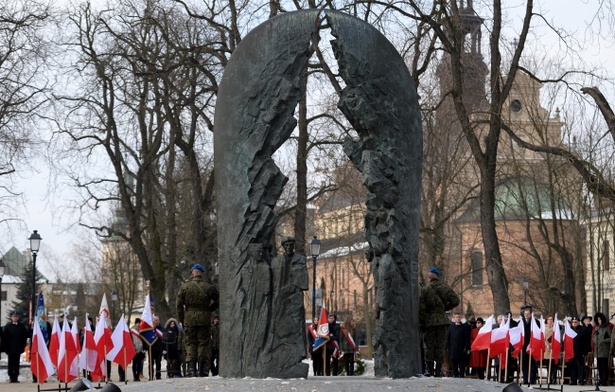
(195, 301)
(436, 298)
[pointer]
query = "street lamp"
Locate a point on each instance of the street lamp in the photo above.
(113, 301)
(526, 285)
(314, 251)
(35, 244)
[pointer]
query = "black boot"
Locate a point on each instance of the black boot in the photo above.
(202, 371)
(438, 370)
(191, 371)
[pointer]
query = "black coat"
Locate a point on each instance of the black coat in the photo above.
(582, 342)
(14, 337)
(458, 341)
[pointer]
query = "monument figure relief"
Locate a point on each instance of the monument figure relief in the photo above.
(254, 116)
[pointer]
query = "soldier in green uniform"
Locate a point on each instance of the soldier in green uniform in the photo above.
(436, 298)
(195, 301)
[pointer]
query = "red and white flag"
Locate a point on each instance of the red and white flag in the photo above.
(54, 342)
(483, 339)
(500, 339)
(537, 343)
(123, 351)
(89, 355)
(556, 341)
(569, 335)
(40, 362)
(516, 339)
(104, 311)
(67, 355)
(102, 340)
(74, 331)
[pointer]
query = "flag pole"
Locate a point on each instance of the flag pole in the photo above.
(488, 363)
(324, 360)
(529, 367)
(125, 364)
(506, 370)
(151, 365)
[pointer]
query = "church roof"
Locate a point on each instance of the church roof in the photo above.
(520, 199)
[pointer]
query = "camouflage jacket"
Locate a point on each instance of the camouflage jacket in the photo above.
(195, 301)
(436, 298)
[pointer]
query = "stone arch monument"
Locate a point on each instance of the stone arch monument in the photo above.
(254, 116)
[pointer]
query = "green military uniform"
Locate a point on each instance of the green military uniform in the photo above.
(436, 298)
(196, 300)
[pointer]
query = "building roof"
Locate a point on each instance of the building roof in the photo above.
(520, 199)
(15, 264)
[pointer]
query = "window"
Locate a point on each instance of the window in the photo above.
(606, 252)
(3, 296)
(476, 259)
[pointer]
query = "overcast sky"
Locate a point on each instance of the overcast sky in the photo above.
(59, 230)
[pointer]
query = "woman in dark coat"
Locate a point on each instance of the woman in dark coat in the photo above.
(171, 346)
(602, 346)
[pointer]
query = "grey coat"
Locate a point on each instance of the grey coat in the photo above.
(602, 341)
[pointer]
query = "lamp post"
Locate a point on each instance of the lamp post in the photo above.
(113, 301)
(35, 244)
(526, 285)
(314, 251)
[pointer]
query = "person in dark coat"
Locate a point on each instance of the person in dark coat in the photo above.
(170, 339)
(157, 348)
(458, 345)
(215, 346)
(333, 347)
(581, 347)
(15, 336)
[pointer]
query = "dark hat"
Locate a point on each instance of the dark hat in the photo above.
(198, 267)
(216, 317)
(480, 320)
(435, 271)
(61, 315)
(137, 320)
(585, 316)
(524, 307)
(287, 239)
(14, 313)
(574, 318)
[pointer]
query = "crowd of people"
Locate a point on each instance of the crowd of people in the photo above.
(447, 343)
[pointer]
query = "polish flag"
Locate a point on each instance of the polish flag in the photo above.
(569, 335)
(500, 339)
(54, 342)
(40, 362)
(483, 339)
(67, 355)
(556, 342)
(74, 331)
(123, 350)
(516, 339)
(104, 311)
(89, 355)
(537, 342)
(102, 339)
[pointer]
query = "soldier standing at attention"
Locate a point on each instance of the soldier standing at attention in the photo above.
(435, 300)
(195, 301)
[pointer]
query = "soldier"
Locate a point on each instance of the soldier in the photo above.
(196, 300)
(436, 298)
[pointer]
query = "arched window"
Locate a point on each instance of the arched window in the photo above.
(476, 258)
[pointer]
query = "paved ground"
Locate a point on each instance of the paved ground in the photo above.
(313, 384)
(364, 383)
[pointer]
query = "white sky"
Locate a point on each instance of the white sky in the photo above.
(59, 230)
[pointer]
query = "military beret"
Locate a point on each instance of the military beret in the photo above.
(435, 271)
(198, 267)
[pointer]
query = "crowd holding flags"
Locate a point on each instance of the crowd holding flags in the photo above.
(504, 341)
(64, 356)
